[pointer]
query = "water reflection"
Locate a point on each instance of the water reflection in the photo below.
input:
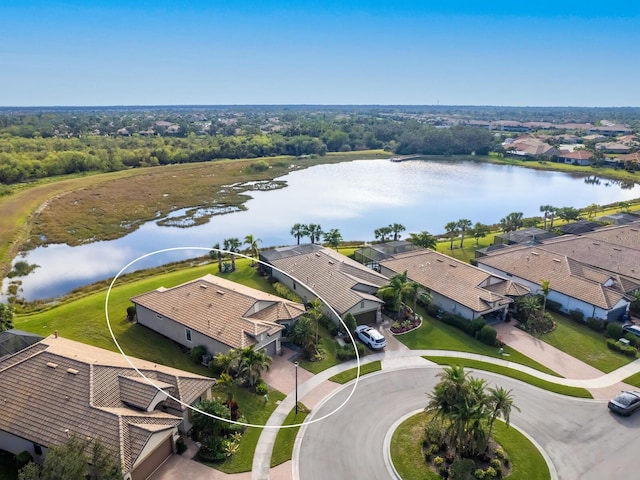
(355, 197)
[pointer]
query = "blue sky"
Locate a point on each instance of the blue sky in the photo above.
(565, 53)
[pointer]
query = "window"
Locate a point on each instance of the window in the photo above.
(188, 333)
(294, 285)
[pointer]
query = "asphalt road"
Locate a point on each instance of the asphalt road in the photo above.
(582, 438)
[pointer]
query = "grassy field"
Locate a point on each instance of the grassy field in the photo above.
(283, 446)
(527, 462)
(257, 412)
(434, 334)
(109, 205)
(510, 372)
(586, 345)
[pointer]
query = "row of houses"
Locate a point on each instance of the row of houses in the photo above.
(53, 388)
(606, 128)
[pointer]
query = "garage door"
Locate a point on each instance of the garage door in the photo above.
(366, 318)
(153, 461)
(270, 349)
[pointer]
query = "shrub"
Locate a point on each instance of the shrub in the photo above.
(495, 463)
(490, 472)
(596, 324)
(23, 458)
(197, 353)
(614, 330)
(633, 339)
(461, 469)
(347, 352)
(181, 446)
(350, 322)
(261, 387)
(434, 434)
(500, 452)
(487, 335)
(576, 315)
(479, 474)
(433, 310)
(131, 312)
(284, 292)
(438, 461)
(458, 322)
(553, 306)
(477, 324)
(617, 347)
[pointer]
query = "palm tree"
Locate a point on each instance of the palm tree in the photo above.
(252, 363)
(546, 210)
(511, 222)
(398, 289)
(299, 230)
(423, 239)
(232, 245)
(396, 228)
(315, 313)
(480, 230)
(552, 216)
(303, 333)
(382, 233)
(529, 306)
(252, 245)
(452, 231)
(227, 362)
(216, 253)
(501, 403)
(333, 237)
(463, 224)
(544, 286)
(314, 231)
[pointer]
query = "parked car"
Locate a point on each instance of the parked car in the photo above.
(625, 403)
(631, 328)
(371, 337)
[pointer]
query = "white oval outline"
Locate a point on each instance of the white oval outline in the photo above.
(278, 427)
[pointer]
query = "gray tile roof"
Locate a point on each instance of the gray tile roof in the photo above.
(58, 388)
(223, 310)
(565, 275)
(339, 280)
(451, 278)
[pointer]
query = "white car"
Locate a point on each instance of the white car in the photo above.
(370, 336)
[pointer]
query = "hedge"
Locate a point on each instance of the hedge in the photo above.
(623, 349)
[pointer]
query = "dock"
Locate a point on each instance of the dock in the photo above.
(402, 158)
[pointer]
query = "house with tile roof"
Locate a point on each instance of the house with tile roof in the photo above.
(218, 314)
(577, 157)
(58, 388)
(313, 271)
(574, 285)
(456, 287)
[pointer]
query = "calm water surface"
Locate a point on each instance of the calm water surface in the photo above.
(354, 197)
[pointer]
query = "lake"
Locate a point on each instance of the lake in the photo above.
(355, 197)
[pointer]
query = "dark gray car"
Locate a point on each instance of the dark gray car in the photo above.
(625, 403)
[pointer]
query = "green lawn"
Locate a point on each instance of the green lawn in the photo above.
(434, 334)
(633, 380)
(257, 412)
(509, 372)
(527, 462)
(349, 375)
(283, 446)
(585, 344)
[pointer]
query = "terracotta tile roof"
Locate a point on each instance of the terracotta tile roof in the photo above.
(565, 275)
(58, 388)
(634, 157)
(622, 235)
(459, 281)
(223, 310)
(578, 155)
(339, 280)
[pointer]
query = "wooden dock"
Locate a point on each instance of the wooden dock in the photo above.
(402, 158)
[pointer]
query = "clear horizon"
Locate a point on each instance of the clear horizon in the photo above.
(409, 53)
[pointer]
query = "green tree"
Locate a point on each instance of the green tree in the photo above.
(350, 321)
(227, 362)
(207, 428)
(303, 334)
(452, 231)
(568, 213)
(252, 363)
(252, 245)
(382, 233)
(315, 313)
(400, 289)
(500, 404)
(396, 228)
(333, 237)
(6, 317)
(511, 222)
(232, 245)
(546, 211)
(464, 224)
(624, 206)
(75, 460)
(544, 286)
(216, 254)
(315, 232)
(423, 240)
(299, 230)
(480, 230)
(592, 210)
